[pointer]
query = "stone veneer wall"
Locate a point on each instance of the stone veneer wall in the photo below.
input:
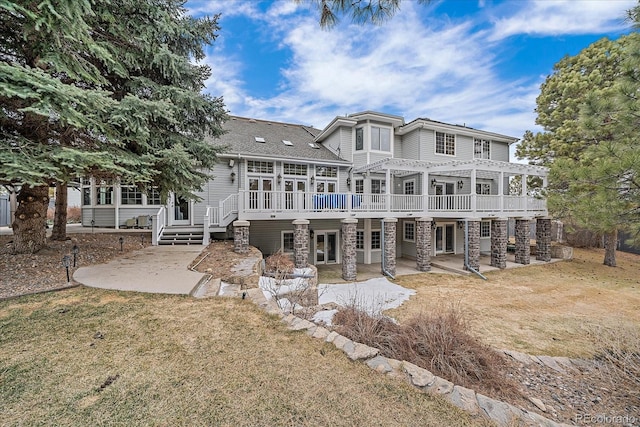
(543, 239)
(523, 242)
(423, 244)
(473, 234)
(241, 237)
(349, 254)
(389, 249)
(301, 243)
(499, 238)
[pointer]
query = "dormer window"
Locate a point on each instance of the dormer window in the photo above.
(359, 139)
(380, 139)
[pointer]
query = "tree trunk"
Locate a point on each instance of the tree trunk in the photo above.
(59, 231)
(29, 226)
(610, 243)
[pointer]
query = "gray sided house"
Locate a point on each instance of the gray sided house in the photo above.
(368, 188)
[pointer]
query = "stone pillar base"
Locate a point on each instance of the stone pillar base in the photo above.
(473, 245)
(543, 239)
(499, 236)
(301, 243)
(241, 236)
(423, 244)
(349, 254)
(389, 249)
(523, 242)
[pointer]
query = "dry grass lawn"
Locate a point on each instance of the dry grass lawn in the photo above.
(558, 309)
(93, 357)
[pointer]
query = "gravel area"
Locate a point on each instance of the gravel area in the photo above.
(23, 274)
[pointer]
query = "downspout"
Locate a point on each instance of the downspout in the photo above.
(384, 267)
(466, 251)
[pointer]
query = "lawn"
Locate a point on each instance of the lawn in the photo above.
(560, 309)
(93, 357)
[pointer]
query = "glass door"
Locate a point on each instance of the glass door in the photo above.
(445, 239)
(260, 193)
(181, 210)
(294, 194)
(326, 247)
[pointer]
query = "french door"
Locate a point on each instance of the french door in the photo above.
(260, 193)
(445, 239)
(326, 247)
(294, 194)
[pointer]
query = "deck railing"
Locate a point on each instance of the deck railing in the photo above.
(158, 221)
(273, 202)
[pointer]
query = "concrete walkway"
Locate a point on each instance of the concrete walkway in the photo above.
(155, 269)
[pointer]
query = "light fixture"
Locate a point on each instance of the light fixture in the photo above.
(349, 182)
(433, 225)
(74, 251)
(460, 184)
(279, 178)
(233, 176)
(313, 178)
(460, 225)
(433, 182)
(311, 233)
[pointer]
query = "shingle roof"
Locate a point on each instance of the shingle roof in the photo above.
(242, 132)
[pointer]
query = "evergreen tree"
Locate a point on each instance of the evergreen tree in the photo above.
(104, 88)
(595, 182)
(360, 11)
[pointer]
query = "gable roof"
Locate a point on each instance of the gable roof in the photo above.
(458, 129)
(242, 133)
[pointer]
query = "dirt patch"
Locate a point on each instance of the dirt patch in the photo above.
(43, 271)
(221, 262)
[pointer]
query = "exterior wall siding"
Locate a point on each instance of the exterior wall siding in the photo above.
(499, 151)
(410, 146)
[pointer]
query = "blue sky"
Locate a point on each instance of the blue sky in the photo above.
(478, 63)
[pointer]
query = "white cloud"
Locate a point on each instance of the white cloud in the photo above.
(558, 17)
(226, 8)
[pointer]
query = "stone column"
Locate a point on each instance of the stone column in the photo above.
(543, 239)
(349, 255)
(241, 236)
(523, 241)
(499, 236)
(423, 244)
(301, 243)
(389, 249)
(473, 245)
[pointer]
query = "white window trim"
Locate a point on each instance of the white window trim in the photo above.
(404, 187)
(485, 237)
(371, 239)
(482, 141)
(282, 233)
(363, 240)
(455, 144)
(404, 231)
(371, 149)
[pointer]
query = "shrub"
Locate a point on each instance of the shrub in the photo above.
(619, 351)
(438, 342)
(279, 264)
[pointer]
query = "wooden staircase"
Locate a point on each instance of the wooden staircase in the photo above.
(177, 235)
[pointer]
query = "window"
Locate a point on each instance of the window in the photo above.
(287, 241)
(131, 196)
(445, 143)
(153, 198)
(481, 148)
(410, 187)
(375, 239)
(378, 186)
(380, 139)
(325, 186)
(327, 171)
(359, 139)
(485, 229)
(409, 231)
(105, 193)
(86, 196)
(483, 188)
(359, 239)
(359, 186)
(293, 169)
(259, 167)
